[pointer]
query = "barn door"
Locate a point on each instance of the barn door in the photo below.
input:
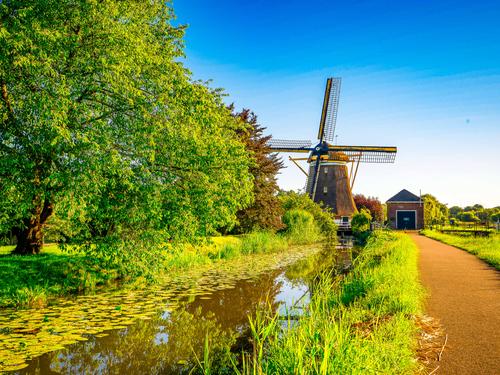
(406, 220)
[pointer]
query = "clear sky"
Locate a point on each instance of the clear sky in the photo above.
(420, 75)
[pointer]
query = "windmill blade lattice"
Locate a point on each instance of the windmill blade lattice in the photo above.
(284, 145)
(330, 109)
(364, 154)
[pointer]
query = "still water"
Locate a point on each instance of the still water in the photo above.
(172, 325)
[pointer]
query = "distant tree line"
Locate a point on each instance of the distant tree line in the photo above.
(436, 213)
(475, 214)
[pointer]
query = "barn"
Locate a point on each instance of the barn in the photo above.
(405, 210)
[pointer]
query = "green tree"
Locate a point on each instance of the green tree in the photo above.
(483, 215)
(266, 211)
(455, 210)
(101, 123)
(434, 211)
(468, 216)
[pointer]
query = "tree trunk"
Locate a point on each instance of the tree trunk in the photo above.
(30, 237)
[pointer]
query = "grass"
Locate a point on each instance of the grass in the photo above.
(363, 323)
(485, 248)
(31, 281)
(28, 281)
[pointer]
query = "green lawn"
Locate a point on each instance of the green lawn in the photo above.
(362, 324)
(27, 281)
(485, 248)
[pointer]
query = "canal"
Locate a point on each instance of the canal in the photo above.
(166, 329)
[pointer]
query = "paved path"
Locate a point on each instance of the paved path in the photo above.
(464, 294)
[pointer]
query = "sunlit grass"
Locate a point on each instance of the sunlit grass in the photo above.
(363, 323)
(47, 249)
(28, 281)
(485, 248)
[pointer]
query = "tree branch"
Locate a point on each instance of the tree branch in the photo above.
(6, 100)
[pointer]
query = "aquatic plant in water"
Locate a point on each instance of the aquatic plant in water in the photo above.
(27, 334)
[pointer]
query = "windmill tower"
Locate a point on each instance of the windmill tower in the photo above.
(332, 168)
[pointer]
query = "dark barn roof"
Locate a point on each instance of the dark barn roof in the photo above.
(404, 196)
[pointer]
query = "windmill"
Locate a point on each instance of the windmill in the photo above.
(329, 180)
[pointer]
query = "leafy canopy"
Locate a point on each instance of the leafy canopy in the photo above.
(102, 124)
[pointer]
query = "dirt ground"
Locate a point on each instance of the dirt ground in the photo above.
(464, 294)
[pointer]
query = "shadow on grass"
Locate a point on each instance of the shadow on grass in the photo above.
(28, 281)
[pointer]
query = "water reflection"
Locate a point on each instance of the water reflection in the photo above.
(173, 341)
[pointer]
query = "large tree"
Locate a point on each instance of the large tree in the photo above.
(266, 211)
(100, 122)
(372, 204)
(435, 212)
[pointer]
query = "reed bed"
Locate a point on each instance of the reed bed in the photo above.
(362, 323)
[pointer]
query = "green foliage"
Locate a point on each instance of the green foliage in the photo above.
(129, 154)
(434, 211)
(475, 214)
(362, 323)
(468, 217)
(487, 249)
(263, 242)
(323, 217)
(300, 226)
(30, 281)
(265, 211)
(360, 224)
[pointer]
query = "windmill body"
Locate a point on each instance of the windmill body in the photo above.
(333, 168)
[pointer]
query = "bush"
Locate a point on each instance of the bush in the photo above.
(322, 215)
(301, 227)
(360, 224)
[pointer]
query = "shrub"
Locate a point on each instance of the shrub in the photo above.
(301, 227)
(360, 224)
(322, 215)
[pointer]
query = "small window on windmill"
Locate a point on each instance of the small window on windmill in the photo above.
(325, 189)
(326, 170)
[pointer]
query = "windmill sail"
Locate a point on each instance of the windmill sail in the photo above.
(284, 145)
(363, 154)
(330, 108)
(330, 180)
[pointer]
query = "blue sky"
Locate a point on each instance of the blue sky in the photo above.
(420, 75)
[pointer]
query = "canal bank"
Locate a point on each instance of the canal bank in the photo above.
(300, 312)
(215, 298)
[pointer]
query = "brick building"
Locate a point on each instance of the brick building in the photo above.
(405, 210)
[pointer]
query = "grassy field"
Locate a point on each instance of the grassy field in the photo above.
(485, 248)
(363, 323)
(30, 281)
(27, 281)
